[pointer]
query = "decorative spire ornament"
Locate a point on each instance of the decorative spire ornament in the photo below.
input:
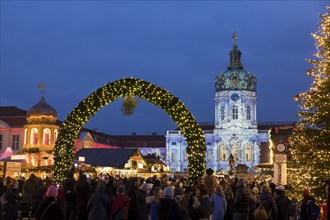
(42, 89)
(235, 38)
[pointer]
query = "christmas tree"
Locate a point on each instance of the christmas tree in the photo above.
(309, 166)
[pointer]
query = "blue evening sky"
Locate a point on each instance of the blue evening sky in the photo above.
(75, 47)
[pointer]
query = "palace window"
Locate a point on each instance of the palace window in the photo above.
(222, 113)
(173, 143)
(55, 135)
(173, 157)
(15, 142)
(25, 133)
(222, 153)
(248, 153)
(248, 113)
(235, 112)
(209, 143)
(236, 152)
(46, 136)
(34, 136)
(185, 157)
(210, 156)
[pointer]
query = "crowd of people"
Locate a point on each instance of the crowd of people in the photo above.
(154, 198)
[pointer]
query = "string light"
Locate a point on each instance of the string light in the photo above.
(309, 166)
(64, 146)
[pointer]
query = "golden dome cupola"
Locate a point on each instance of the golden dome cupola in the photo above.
(41, 113)
(235, 77)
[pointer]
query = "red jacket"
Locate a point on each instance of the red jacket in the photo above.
(121, 200)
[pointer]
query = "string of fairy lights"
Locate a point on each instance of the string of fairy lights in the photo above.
(310, 163)
(64, 146)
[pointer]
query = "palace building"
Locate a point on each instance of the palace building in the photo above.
(235, 130)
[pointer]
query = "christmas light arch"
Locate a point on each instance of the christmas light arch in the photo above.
(79, 116)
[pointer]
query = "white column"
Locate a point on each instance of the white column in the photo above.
(284, 173)
(255, 110)
(216, 106)
(280, 169)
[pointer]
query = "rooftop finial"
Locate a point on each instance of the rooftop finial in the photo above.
(235, 38)
(42, 89)
(235, 55)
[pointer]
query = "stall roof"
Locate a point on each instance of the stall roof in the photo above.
(104, 157)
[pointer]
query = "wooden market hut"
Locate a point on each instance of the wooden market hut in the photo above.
(115, 162)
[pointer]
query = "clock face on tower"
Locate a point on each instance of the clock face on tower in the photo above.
(234, 97)
(280, 147)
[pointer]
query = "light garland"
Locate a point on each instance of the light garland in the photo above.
(310, 163)
(64, 146)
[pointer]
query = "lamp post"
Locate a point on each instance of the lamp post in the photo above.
(280, 164)
(4, 168)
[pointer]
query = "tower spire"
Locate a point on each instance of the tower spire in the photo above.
(235, 55)
(235, 38)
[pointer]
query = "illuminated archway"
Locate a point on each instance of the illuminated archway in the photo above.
(79, 116)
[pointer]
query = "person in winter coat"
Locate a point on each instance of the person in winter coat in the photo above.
(282, 203)
(98, 206)
(142, 194)
(69, 196)
(229, 195)
(30, 189)
(268, 202)
(49, 208)
(133, 193)
(210, 181)
(255, 192)
(187, 202)
(219, 204)
(178, 189)
(307, 206)
(167, 208)
(83, 193)
(153, 201)
(120, 205)
(40, 196)
(111, 188)
(241, 204)
(201, 208)
(252, 205)
(2, 192)
(12, 197)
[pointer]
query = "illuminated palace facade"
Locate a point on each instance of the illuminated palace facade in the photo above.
(235, 130)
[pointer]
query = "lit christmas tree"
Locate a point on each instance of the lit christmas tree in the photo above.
(309, 166)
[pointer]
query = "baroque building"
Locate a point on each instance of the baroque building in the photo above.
(28, 138)
(235, 130)
(40, 134)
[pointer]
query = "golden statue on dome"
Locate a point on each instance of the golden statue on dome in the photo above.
(42, 89)
(235, 38)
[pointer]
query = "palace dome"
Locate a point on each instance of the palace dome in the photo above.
(235, 78)
(41, 113)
